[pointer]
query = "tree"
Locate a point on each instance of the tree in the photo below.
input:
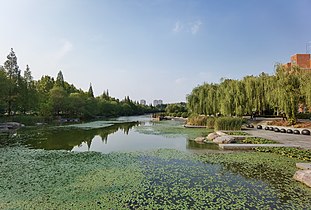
(4, 88)
(90, 92)
(14, 76)
(60, 82)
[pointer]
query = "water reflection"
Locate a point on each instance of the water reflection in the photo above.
(68, 138)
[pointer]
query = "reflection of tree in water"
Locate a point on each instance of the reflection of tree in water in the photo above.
(67, 139)
(125, 127)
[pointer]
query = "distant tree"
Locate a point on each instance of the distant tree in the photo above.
(28, 99)
(4, 88)
(90, 92)
(14, 75)
(60, 82)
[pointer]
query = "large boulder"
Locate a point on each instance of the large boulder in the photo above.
(212, 136)
(303, 176)
(224, 140)
(200, 139)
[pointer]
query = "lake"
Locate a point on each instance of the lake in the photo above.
(125, 134)
(134, 163)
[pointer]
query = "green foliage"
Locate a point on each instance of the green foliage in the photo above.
(237, 133)
(288, 152)
(263, 94)
(211, 122)
(177, 110)
(257, 140)
(228, 123)
(49, 98)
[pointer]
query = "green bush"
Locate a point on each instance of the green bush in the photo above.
(228, 123)
(184, 115)
(24, 119)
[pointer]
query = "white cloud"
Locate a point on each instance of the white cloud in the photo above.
(178, 27)
(65, 48)
(195, 26)
(180, 80)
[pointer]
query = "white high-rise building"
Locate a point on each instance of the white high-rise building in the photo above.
(143, 102)
(157, 102)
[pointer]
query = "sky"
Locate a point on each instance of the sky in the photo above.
(152, 49)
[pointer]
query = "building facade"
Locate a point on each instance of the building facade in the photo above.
(143, 102)
(157, 102)
(303, 61)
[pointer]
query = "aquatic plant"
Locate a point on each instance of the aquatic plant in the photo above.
(159, 179)
(290, 152)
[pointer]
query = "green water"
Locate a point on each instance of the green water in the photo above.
(139, 165)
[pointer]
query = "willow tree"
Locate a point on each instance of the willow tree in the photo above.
(288, 91)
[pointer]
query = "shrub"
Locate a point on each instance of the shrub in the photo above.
(200, 120)
(184, 115)
(211, 122)
(228, 123)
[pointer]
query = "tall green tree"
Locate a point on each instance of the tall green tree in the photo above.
(14, 76)
(60, 82)
(90, 92)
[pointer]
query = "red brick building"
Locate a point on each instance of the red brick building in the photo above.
(301, 60)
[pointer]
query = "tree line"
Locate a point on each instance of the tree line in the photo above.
(281, 93)
(49, 97)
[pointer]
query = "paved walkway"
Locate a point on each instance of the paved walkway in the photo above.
(303, 141)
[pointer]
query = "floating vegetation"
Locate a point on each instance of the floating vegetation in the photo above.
(97, 124)
(257, 140)
(159, 179)
(172, 128)
(301, 154)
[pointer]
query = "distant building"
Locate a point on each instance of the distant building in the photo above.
(303, 61)
(157, 102)
(143, 102)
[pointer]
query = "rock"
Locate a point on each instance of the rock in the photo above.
(303, 176)
(199, 139)
(282, 130)
(212, 136)
(296, 132)
(304, 166)
(289, 131)
(305, 132)
(259, 126)
(224, 140)
(276, 129)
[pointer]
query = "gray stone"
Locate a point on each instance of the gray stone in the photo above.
(304, 166)
(303, 176)
(212, 136)
(199, 139)
(224, 140)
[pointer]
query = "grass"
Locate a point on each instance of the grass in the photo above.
(160, 179)
(257, 140)
(237, 133)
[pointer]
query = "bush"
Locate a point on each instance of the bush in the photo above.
(184, 115)
(199, 120)
(228, 123)
(211, 122)
(304, 116)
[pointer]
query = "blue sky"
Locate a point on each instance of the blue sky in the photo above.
(152, 49)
